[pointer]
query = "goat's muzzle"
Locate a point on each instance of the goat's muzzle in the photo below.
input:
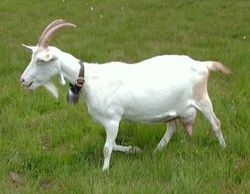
(25, 84)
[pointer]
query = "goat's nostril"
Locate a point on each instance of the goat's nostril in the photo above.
(22, 80)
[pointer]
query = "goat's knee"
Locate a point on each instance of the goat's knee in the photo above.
(217, 125)
(106, 152)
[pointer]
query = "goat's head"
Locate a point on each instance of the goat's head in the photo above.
(44, 62)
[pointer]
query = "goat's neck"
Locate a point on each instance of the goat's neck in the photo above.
(70, 68)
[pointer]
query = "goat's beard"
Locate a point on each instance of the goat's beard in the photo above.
(51, 88)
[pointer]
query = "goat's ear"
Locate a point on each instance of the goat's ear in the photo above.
(31, 48)
(46, 56)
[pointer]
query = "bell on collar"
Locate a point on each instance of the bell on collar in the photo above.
(72, 97)
(75, 89)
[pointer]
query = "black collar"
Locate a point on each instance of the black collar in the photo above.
(80, 80)
(76, 88)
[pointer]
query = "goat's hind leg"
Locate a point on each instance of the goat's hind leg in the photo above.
(171, 126)
(206, 107)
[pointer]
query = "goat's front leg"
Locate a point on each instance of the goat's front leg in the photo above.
(127, 149)
(111, 128)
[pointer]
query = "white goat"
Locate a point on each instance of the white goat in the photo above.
(162, 88)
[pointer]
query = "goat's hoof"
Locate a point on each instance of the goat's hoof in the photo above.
(223, 145)
(160, 146)
(158, 149)
(105, 169)
(135, 149)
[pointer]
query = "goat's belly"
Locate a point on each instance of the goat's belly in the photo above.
(148, 112)
(152, 118)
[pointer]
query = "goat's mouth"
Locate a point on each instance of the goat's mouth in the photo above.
(29, 85)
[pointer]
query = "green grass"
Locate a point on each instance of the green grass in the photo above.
(57, 148)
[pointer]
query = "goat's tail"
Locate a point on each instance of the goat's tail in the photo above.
(217, 66)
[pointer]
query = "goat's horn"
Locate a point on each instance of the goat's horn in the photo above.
(49, 27)
(49, 34)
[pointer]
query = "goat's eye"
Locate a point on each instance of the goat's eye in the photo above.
(40, 61)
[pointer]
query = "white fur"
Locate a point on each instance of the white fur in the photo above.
(157, 89)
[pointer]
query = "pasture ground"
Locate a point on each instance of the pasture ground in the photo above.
(49, 146)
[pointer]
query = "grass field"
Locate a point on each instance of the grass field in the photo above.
(49, 146)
